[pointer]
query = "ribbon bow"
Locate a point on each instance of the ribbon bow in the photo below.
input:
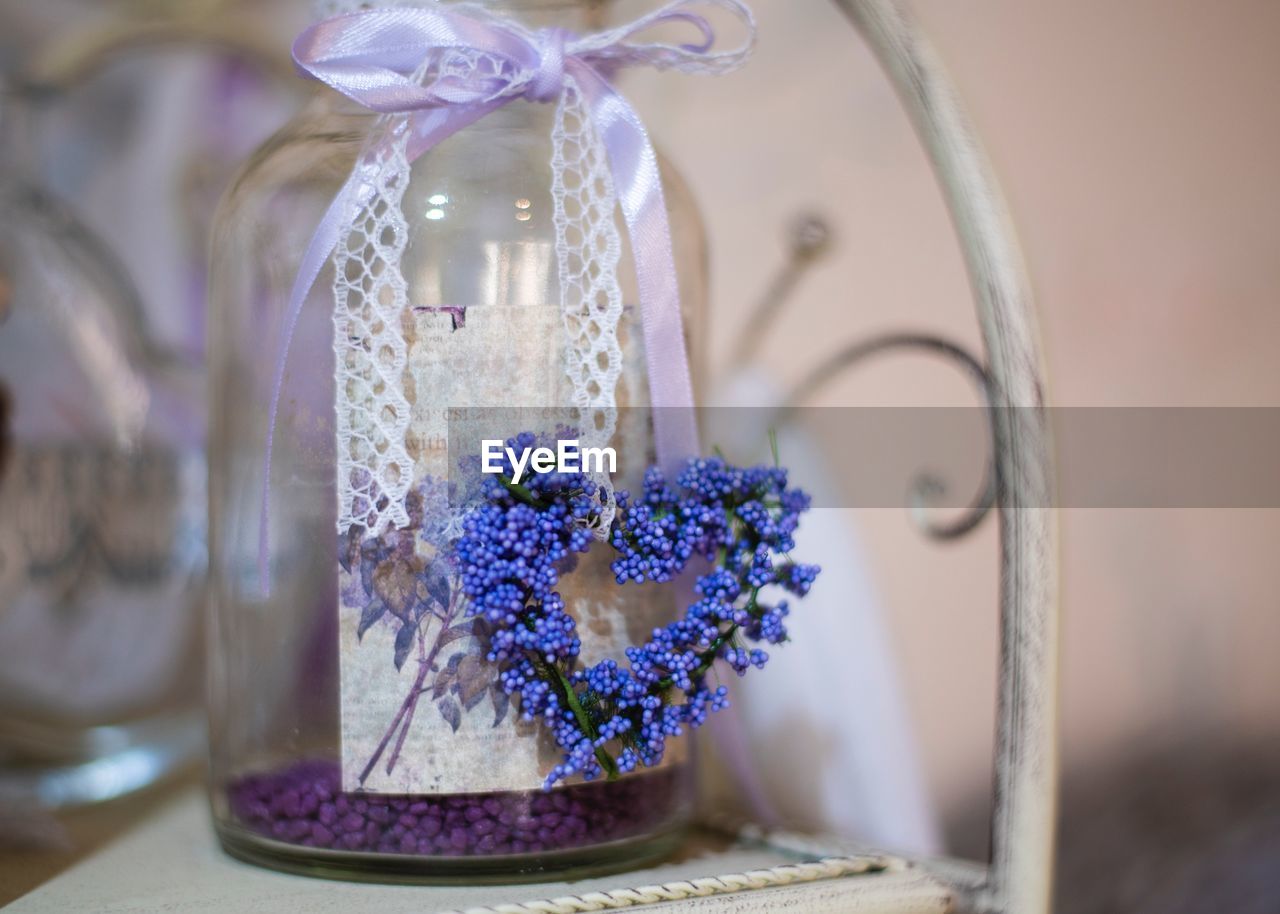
(382, 59)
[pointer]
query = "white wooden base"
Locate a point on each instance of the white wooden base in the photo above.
(173, 864)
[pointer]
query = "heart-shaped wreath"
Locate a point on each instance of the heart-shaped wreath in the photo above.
(516, 543)
(606, 719)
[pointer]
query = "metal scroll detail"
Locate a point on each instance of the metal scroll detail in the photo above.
(926, 489)
(1020, 875)
(809, 239)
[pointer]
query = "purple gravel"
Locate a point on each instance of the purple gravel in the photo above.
(304, 804)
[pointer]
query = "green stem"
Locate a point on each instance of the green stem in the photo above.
(524, 494)
(708, 658)
(709, 655)
(520, 493)
(571, 699)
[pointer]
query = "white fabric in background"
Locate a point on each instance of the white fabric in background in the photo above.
(826, 725)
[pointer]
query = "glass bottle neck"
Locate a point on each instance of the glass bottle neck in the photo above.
(576, 15)
(570, 14)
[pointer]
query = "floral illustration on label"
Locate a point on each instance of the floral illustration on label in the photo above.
(421, 709)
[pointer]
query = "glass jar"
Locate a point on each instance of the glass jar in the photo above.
(102, 514)
(339, 746)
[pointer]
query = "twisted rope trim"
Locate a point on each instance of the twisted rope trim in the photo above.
(831, 867)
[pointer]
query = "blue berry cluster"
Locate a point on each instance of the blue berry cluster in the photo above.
(608, 719)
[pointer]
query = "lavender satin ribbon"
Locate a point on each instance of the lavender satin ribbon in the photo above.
(375, 57)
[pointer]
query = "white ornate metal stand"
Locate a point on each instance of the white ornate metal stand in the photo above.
(1018, 879)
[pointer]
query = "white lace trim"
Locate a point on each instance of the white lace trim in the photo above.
(369, 297)
(588, 248)
(375, 471)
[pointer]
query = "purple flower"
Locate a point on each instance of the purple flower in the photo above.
(607, 719)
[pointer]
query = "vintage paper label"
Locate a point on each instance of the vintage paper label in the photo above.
(421, 708)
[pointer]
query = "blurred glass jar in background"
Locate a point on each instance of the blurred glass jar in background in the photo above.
(102, 513)
(144, 110)
(300, 779)
(149, 108)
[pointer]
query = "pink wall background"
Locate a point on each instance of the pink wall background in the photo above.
(1138, 145)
